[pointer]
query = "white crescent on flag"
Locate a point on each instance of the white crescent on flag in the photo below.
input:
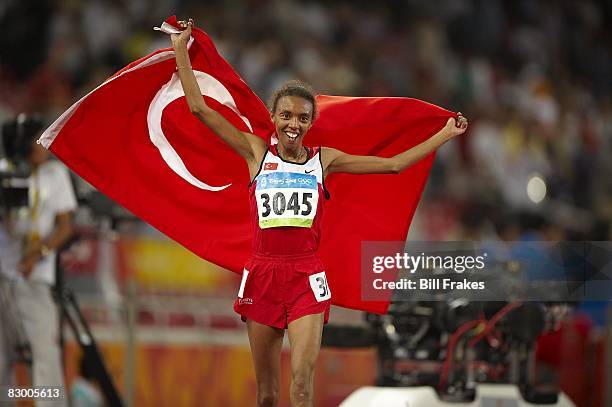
(168, 93)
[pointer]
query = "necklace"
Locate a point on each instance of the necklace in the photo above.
(296, 159)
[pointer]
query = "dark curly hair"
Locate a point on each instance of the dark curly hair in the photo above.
(294, 87)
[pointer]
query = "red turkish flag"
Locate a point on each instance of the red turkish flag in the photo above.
(134, 139)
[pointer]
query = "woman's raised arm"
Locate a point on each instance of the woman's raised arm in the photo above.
(337, 161)
(247, 145)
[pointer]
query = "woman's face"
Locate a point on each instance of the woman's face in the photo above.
(292, 119)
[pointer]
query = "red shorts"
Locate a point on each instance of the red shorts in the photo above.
(275, 291)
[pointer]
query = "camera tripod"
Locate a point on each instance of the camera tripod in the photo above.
(69, 311)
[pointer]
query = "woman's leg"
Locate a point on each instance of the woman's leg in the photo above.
(305, 340)
(266, 343)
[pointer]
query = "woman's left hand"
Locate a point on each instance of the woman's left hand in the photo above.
(455, 127)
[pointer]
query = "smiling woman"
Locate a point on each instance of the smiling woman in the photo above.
(284, 285)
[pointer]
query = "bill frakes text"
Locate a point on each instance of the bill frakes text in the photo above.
(428, 284)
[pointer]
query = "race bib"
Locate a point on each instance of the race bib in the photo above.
(318, 284)
(286, 199)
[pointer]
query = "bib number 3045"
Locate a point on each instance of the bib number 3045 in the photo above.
(318, 284)
(286, 199)
(278, 203)
(286, 207)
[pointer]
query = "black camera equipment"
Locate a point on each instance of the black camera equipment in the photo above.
(453, 343)
(17, 137)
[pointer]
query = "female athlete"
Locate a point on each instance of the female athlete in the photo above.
(283, 284)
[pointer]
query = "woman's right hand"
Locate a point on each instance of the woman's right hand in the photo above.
(183, 37)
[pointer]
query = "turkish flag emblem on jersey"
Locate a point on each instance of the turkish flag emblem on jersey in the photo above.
(270, 166)
(134, 139)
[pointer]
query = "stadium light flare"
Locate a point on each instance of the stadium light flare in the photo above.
(536, 188)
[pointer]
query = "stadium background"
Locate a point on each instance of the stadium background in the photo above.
(533, 77)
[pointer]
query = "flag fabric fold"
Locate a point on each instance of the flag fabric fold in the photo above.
(134, 139)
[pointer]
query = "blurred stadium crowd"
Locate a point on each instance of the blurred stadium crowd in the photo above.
(533, 77)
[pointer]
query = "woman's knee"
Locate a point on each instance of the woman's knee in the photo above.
(302, 382)
(267, 393)
(267, 398)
